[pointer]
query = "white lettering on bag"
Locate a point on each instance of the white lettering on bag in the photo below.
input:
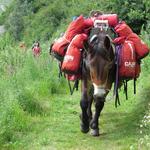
(68, 58)
(130, 64)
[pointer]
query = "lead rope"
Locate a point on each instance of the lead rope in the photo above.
(116, 94)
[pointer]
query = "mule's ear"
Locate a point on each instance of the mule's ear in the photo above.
(107, 42)
(93, 39)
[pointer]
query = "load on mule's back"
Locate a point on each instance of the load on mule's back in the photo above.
(88, 52)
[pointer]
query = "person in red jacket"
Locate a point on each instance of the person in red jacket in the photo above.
(36, 49)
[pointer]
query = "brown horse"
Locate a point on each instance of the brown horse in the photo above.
(98, 73)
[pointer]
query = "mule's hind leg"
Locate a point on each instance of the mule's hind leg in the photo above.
(84, 107)
(99, 104)
(89, 110)
(90, 101)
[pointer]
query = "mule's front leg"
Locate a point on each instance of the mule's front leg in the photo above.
(99, 104)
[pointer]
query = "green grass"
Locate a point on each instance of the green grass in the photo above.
(37, 111)
(59, 128)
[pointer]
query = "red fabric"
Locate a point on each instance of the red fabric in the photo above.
(119, 40)
(74, 28)
(88, 24)
(128, 67)
(36, 51)
(59, 46)
(141, 48)
(73, 77)
(122, 29)
(112, 19)
(71, 63)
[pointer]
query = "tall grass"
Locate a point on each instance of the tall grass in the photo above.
(27, 85)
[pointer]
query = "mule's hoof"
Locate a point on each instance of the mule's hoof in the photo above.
(84, 129)
(95, 132)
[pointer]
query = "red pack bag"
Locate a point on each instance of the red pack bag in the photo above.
(75, 27)
(59, 47)
(128, 66)
(141, 48)
(73, 77)
(122, 29)
(112, 19)
(72, 59)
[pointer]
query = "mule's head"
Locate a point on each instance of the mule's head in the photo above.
(100, 60)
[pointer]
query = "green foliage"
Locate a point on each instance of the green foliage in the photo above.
(26, 87)
(134, 12)
(32, 97)
(31, 20)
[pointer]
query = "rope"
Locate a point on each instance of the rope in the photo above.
(117, 101)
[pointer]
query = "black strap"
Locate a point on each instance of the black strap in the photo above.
(125, 83)
(60, 72)
(50, 48)
(75, 86)
(134, 85)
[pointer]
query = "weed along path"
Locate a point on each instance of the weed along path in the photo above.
(2, 30)
(59, 127)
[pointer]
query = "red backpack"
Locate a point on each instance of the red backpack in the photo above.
(128, 66)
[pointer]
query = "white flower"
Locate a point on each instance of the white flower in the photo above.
(141, 126)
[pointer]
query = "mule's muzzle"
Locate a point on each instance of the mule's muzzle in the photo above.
(99, 91)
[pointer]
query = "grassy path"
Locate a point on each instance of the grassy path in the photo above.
(59, 128)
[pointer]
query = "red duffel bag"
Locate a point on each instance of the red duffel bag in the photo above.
(112, 19)
(128, 66)
(141, 48)
(123, 30)
(75, 27)
(72, 59)
(59, 47)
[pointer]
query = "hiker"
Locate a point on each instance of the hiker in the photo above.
(36, 49)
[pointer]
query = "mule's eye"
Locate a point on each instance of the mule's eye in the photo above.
(93, 38)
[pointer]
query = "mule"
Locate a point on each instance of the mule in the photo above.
(98, 74)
